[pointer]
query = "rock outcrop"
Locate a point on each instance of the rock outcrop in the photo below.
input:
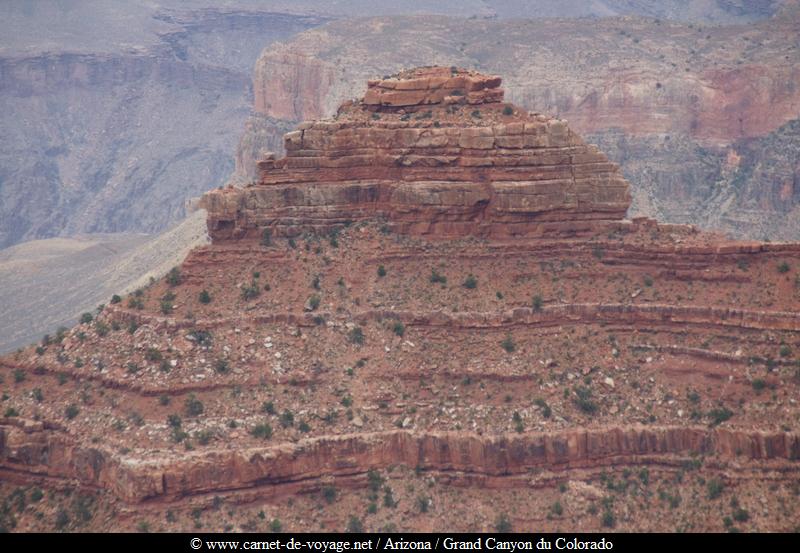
(433, 287)
(431, 151)
(31, 448)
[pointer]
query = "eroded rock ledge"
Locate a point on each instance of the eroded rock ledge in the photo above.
(29, 450)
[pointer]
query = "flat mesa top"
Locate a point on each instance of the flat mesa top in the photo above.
(433, 85)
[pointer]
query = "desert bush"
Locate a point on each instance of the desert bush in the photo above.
(174, 276)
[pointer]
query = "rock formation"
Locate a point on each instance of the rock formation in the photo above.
(667, 101)
(435, 296)
(417, 152)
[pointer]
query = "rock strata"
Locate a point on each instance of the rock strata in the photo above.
(432, 151)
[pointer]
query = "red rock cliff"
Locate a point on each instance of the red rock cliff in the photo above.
(433, 151)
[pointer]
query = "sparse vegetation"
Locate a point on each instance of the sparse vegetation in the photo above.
(287, 419)
(71, 411)
(715, 488)
(399, 328)
(354, 525)
(471, 282)
(193, 406)
(262, 430)
(381, 271)
(718, 415)
(583, 399)
(783, 267)
(356, 336)
(508, 344)
(537, 302)
(436, 277)
(174, 276)
(502, 524)
(266, 237)
(204, 297)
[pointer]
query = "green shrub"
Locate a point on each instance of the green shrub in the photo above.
(399, 328)
(153, 355)
(86, 318)
(193, 406)
(381, 271)
(313, 302)
(266, 237)
(508, 110)
(329, 494)
(718, 415)
(537, 302)
(783, 267)
(715, 488)
(268, 407)
(203, 437)
(502, 524)
(202, 337)
(287, 419)
(758, 384)
(174, 276)
(251, 291)
(303, 427)
(437, 278)
(11, 412)
(19, 376)
(424, 504)
(275, 526)
(356, 336)
(508, 344)
(648, 281)
(204, 297)
(608, 520)
(374, 480)
(785, 351)
(546, 410)
(263, 431)
(354, 525)
(471, 282)
(222, 366)
(62, 519)
(741, 515)
(115, 299)
(71, 411)
(583, 399)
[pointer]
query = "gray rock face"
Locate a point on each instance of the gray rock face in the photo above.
(118, 139)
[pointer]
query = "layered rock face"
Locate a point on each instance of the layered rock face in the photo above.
(431, 151)
(434, 296)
